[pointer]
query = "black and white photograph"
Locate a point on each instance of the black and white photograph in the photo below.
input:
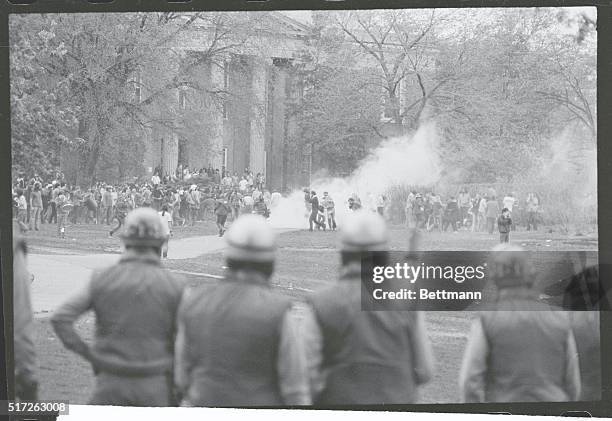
(196, 195)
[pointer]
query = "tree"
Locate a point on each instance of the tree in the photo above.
(338, 118)
(571, 76)
(396, 41)
(92, 64)
(339, 113)
(38, 115)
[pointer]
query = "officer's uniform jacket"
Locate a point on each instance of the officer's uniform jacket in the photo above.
(363, 357)
(135, 303)
(521, 350)
(238, 345)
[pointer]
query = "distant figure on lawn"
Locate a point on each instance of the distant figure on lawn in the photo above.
(504, 224)
(533, 204)
(314, 212)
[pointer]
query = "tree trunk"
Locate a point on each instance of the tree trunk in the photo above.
(94, 156)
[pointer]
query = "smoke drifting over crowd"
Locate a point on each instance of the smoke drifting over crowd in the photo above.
(566, 175)
(405, 160)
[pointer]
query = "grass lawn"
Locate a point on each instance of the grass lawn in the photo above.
(306, 261)
(91, 238)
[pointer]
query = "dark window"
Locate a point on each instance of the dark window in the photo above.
(182, 151)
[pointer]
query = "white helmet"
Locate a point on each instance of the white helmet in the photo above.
(364, 231)
(143, 227)
(250, 239)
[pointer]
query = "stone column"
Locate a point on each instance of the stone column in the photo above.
(150, 156)
(258, 117)
(170, 153)
(168, 134)
(216, 130)
(276, 156)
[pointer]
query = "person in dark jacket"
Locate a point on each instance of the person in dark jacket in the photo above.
(451, 215)
(307, 201)
(504, 224)
(314, 212)
(353, 205)
(133, 352)
(221, 210)
(122, 208)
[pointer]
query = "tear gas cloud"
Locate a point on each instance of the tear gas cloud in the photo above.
(567, 174)
(404, 160)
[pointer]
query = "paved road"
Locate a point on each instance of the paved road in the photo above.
(58, 275)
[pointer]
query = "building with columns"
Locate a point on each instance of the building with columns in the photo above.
(231, 112)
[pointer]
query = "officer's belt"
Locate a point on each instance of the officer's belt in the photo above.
(132, 368)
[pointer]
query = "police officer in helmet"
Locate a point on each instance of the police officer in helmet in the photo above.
(522, 349)
(238, 342)
(135, 303)
(26, 379)
(356, 356)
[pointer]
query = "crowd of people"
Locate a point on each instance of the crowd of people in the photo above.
(181, 203)
(321, 213)
(429, 211)
(476, 212)
(185, 202)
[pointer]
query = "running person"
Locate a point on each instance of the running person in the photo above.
(63, 207)
(166, 217)
(121, 210)
(221, 210)
(314, 211)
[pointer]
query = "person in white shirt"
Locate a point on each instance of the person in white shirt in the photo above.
(166, 217)
(410, 221)
(243, 184)
(509, 201)
(22, 210)
(482, 210)
(155, 179)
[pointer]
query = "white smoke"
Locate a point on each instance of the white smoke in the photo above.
(567, 174)
(398, 161)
